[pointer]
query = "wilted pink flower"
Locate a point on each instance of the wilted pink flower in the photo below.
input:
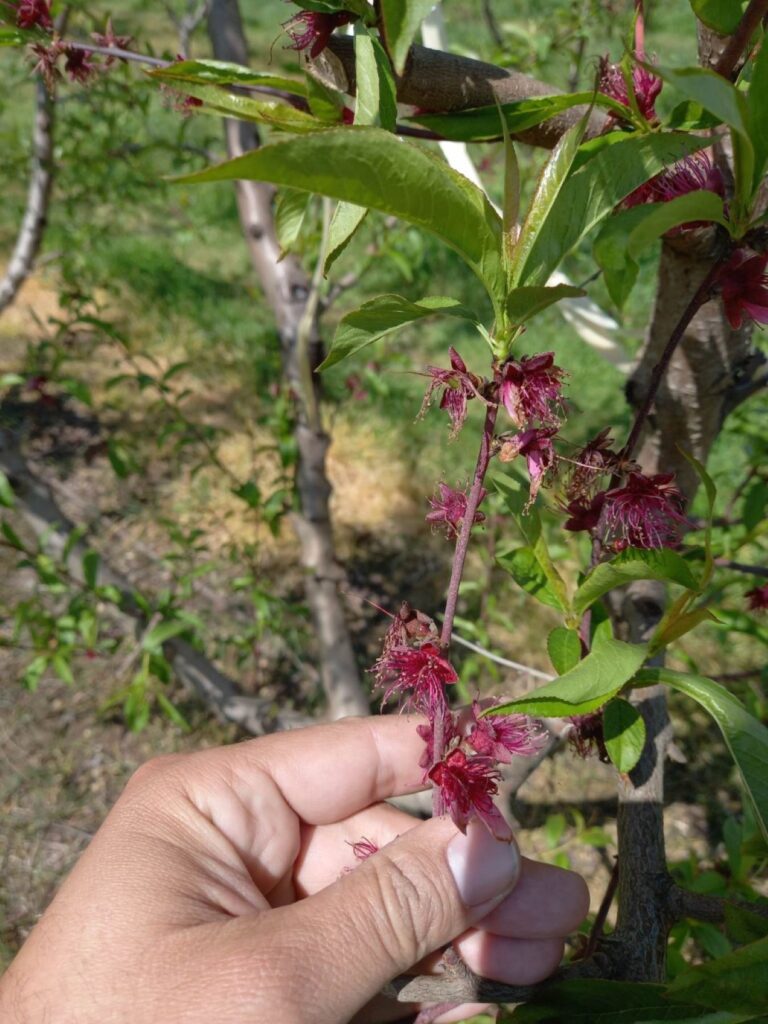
(78, 65)
(47, 58)
(588, 736)
(111, 41)
(459, 386)
(757, 599)
(466, 786)
(584, 514)
(504, 736)
(311, 30)
(409, 624)
(646, 513)
(537, 449)
(364, 848)
(419, 673)
(449, 510)
(645, 85)
(594, 460)
(530, 390)
(743, 285)
(34, 14)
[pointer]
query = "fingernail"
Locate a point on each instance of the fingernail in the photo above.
(483, 868)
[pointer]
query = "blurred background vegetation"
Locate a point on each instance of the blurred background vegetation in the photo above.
(142, 366)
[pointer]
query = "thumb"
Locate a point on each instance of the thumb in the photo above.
(407, 900)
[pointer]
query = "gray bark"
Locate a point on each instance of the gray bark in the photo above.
(288, 291)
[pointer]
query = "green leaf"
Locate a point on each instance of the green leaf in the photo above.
(525, 567)
(91, 562)
(757, 109)
(371, 167)
(633, 564)
(735, 982)
(564, 649)
(33, 672)
(481, 124)
(275, 113)
(628, 233)
(401, 20)
(548, 189)
(522, 304)
(346, 219)
(595, 680)
(744, 925)
(7, 498)
(381, 316)
(290, 212)
(249, 493)
(611, 168)
(375, 92)
(10, 36)
(62, 668)
(220, 72)
(721, 15)
(601, 1002)
(173, 712)
(746, 738)
(155, 638)
(624, 732)
(721, 98)
(11, 536)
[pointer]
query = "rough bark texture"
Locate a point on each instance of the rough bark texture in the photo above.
(191, 667)
(38, 197)
(288, 291)
(438, 81)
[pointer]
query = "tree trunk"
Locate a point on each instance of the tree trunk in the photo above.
(289, 291)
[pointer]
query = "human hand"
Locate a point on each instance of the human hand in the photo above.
(217, 892)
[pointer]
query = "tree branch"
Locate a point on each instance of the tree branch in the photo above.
(750, 19)
(436, 81)
(702, 907)
(38, 198)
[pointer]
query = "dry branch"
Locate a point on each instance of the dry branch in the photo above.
(33, 223)
(288, 291)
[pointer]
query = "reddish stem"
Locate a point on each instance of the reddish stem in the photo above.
(473, 500)
(750, 20)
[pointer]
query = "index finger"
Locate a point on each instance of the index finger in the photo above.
(327, 772)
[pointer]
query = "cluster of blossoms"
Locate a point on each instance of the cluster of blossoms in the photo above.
(79, 62)
(460, 757)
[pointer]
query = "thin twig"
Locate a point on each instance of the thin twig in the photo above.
(750, 570)
(750, 20)
(516, 665)
(598, 925)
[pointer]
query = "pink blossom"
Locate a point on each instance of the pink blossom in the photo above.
(47, 58)
(694, 173)
(111, 41)
(743, 285)
(584, 514)
(421, 670)
(311, 30)
(757, 599)
(449, 510)
(537, 449)
(503, 736)
(645, 85)
(530, 390)
(459, 385)
(34, 14)
(645, 513)
(78, 65)
(465, 787)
